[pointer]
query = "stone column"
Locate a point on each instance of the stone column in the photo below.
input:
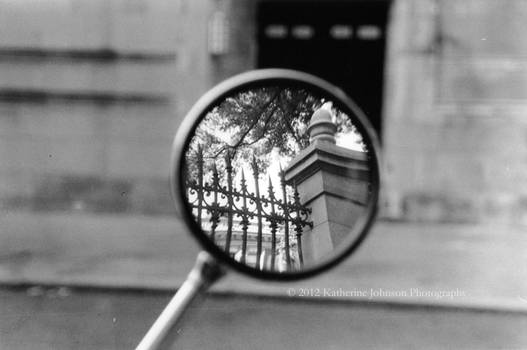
(332, 181)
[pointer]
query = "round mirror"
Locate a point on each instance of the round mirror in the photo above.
(276, 173)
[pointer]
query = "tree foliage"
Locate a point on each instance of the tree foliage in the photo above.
(255, 122)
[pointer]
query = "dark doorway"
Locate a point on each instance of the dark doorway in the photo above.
(342, 42)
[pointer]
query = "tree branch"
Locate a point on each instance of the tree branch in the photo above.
(255, 121)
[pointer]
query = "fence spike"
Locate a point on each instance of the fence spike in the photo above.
(200, 183)
(243, 182)
(286, 219)
(245, 218)
(299, 224)
(273, 224)
(214, 208)
(258, 212)
(282, 176)
(230, 204)
(200, 154)
(215, 170)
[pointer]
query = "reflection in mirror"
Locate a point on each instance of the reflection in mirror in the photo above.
(277, 177)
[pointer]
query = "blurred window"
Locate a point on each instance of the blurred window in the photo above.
(276, 31)
(369, 32)
(303, 32)
(341, 32)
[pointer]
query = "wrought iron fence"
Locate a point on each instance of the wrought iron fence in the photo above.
(233, 215)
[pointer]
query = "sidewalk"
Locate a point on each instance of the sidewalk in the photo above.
(451, 265)
(430, 264)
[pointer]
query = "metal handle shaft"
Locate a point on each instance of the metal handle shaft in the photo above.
(205, 272)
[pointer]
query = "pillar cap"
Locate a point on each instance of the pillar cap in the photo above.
(321, 126)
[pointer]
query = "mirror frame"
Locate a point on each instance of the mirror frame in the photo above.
(279, 77)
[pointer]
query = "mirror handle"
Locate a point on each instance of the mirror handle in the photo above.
(205, 272)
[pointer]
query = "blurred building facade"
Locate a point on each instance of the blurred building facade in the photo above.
(91, 93)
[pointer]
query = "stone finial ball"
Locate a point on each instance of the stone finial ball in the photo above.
(321, 126)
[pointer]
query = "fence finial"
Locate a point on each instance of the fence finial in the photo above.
(270, 187)
(215, 170)
(243, 182)
(282, 175)
(254, 166)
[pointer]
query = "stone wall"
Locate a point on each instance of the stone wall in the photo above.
(91, 93)
(241, 50)
(455, 144)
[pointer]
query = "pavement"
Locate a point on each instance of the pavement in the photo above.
(49, 318)
(460, 266)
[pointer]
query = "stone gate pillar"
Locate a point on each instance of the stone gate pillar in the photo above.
(332, 181)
